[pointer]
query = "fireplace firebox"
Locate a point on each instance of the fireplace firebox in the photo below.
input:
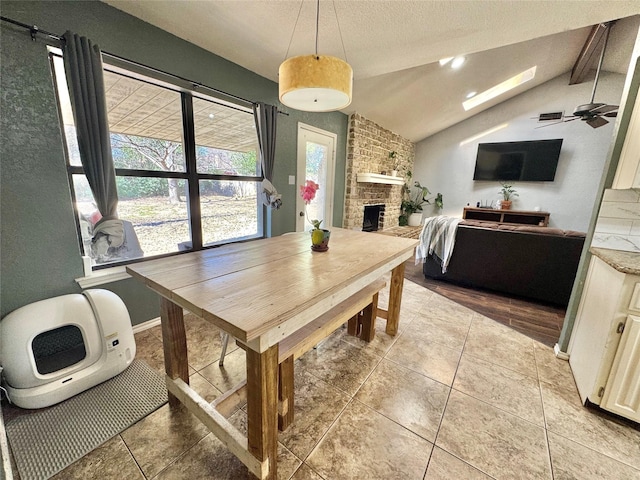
(373, 218)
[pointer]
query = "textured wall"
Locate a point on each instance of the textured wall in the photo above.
(40, 255)
(446, 160)
(368, 149)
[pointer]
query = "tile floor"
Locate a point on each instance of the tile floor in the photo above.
(455, 395)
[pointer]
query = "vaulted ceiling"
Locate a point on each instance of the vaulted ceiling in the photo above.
(394, 45)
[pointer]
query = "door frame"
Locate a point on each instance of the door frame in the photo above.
(330, 139)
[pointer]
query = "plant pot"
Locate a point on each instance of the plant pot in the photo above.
(320, 240)
(394, 173)
(505, 204)
(415, 219)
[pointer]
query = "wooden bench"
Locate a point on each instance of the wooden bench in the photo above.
(359, 310)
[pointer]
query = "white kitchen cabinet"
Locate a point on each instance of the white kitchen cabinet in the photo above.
(622, 392)
(604, 352)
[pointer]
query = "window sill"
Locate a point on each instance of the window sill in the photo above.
(100, 277)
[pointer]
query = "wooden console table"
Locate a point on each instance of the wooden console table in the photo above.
(520, 217)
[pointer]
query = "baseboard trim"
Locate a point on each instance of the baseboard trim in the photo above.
(141, 327)
(559, 353)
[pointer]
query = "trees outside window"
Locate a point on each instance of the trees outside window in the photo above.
(175, 194)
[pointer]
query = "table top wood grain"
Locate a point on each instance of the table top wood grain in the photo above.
(267, 287)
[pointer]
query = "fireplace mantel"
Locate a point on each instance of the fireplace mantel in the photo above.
(377, 178)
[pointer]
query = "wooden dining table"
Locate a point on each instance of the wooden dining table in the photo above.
(260, 292)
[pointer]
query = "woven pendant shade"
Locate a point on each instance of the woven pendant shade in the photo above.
(315, 83)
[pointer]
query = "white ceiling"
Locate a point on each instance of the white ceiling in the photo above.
(394, 45)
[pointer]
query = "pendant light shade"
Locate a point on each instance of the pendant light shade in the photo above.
(315, 83)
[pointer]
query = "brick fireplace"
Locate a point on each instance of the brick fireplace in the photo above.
(368, 148)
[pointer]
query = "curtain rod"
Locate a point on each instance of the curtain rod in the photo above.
(35, 30)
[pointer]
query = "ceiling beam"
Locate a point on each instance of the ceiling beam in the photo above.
(589, 54)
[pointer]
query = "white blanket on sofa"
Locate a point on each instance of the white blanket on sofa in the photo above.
(438, 237)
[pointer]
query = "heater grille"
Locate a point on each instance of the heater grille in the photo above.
(58, 348)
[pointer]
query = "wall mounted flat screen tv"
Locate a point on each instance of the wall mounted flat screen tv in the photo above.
(528, 161)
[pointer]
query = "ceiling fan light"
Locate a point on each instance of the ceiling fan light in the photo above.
(313, 83)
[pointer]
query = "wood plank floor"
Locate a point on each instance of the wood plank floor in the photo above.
(538, 321)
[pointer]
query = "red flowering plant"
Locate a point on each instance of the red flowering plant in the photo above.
(308, 193)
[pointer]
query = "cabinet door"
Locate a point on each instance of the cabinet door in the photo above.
(622, 392)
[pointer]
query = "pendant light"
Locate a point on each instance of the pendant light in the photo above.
(315, 83)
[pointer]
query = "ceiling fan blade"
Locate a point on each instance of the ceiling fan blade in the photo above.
(571, 119)
(611, 114)
(604, 109)
(596, 122)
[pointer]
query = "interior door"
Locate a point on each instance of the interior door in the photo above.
(316, 161)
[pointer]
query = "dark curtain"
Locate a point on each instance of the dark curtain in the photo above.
(266, 117)
(83, 68)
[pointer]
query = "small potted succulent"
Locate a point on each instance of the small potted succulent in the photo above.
(508, 192)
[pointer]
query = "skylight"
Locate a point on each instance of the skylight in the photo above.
(499, 89)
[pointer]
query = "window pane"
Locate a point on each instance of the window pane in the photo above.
(66, 113)
(155, 222)
(226, 141)
(316, 170)
(229, 210)
(145, 121)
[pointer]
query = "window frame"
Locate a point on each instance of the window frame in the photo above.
(187, 91)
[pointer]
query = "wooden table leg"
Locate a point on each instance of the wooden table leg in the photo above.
(285, 394)
(262, 407)
(395, 298)
(354, 325)
(174, 343)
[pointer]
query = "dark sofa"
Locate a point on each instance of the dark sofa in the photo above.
(539, 263)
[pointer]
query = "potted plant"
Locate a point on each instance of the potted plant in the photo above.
(319, 236)
(508, 192)
(393, 156)
(413, 200)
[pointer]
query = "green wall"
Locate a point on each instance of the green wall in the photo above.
(39, 251)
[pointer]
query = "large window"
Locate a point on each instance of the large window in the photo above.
(187, 168)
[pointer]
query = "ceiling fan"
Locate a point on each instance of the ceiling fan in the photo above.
(593, 113)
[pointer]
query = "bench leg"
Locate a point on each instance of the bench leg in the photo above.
(285, 394)
(369, 315)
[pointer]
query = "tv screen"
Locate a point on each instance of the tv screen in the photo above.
(529, 161)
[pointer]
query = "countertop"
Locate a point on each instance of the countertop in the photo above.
(625, 262)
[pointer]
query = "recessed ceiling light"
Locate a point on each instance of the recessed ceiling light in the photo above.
(211, 115)
(444, 61)
(471, 94)
(457, 62)
(499, 89)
